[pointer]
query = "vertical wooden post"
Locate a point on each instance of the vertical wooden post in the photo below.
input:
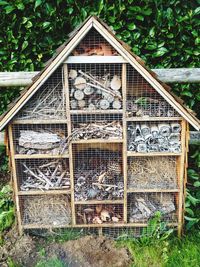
(14, 178)
(181, 177)
(124, 152)
(69, 130)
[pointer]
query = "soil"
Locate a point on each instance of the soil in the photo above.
(88, 251)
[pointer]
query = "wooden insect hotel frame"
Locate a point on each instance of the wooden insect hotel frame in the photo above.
(97, 141)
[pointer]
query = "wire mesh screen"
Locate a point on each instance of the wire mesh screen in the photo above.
(43, 174)
(95, 86)
(143, 206)
(94, 44)
(152, 172)
(46, 210)
(99, 214)
(154, 136)
(98, 172)
(49, 139)
(122, 232)
(94, 126)
(143, 99)
(48, 102)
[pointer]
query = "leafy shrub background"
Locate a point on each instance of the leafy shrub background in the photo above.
(165, 33)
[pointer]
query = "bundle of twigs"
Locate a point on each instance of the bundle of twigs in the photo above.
(49, 103)
(48, 175)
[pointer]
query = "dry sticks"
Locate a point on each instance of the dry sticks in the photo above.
(144, 206)
(149, 173)
(92, 92)
(149, 106)
(48, 103)
(47, 210)
(99, 214)
(45, 175)
(158, 137)
(95, 130)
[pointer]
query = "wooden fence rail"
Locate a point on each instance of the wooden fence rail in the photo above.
(178, 75)
(174, 75)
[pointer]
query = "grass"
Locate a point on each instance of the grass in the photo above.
(172, 252)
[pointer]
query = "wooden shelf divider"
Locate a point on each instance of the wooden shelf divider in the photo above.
(40, 156)
(96, 202)
(151, 154)
(46, 192)
(69, 128)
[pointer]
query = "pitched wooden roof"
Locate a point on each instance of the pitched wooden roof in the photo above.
(123, 49)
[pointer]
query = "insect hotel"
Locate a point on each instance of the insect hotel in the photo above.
(97, 141)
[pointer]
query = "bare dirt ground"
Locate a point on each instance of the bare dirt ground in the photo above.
(88, 251)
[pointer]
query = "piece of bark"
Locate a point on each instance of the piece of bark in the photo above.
(38, 140)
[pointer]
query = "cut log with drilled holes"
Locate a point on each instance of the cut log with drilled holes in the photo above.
(78, 95)
(80, 83)
(116, 83)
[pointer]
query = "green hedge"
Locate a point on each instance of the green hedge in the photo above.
(163, 32)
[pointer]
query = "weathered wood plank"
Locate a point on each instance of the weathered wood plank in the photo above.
(174, 75)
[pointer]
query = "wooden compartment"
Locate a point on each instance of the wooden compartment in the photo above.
(99, 214)
(154, 137)
(150, 173)
(98, 172)
(95, 86)
(54, 210)
(43, 139)
(144, 206)
(43, 174)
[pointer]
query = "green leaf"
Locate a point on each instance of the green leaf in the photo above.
(187, 93)
(197, 184)
(197, 11)
(160, 52)
(70, 10)
(45, 24)
(139, 17)
(9, 9)
(131, 26)
(24, 45)
(20, 6)
(37, 3)
(152, 32)
(3, 3)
